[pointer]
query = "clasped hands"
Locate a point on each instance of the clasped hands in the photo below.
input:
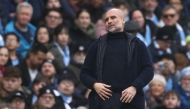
(104, 92)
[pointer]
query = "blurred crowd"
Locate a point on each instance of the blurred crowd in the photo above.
(43, 44)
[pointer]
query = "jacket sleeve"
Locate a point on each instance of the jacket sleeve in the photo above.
(146, 69)
(88, 70)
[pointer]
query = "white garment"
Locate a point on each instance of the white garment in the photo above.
(69, 99)
(33, 74)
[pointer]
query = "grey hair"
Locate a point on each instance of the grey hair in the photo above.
(24, 4)
(3, 105)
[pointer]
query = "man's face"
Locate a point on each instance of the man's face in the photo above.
(185, 83)
(53, 4)
(53, 19)
(47, 100)
(38, 86)
(157, 88)
(149, 5)
(79, 57)
(11, 42)
(37, 59)
(114, 21)
(171, 102)
(138, 17)
(11, 83)
(165, 44)
(24, 15)
(170, 17)
(18, 103)
(177, 4)
(66, 87)
(48, 69)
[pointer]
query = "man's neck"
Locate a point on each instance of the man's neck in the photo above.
(149, 14)
(12, 54)
(29, 65)
(19, 26)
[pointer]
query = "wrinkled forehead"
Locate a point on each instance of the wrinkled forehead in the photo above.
(113, 12)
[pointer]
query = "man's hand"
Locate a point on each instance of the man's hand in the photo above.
(128, 94)
(102, 90)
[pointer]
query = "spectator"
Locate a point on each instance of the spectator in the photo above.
(124, 7)
(53, 18)
(48, 69)
(12, 42)
(66, 86)
(100, 28)
(156, 91)
(10, 7)
(148, 8)
(75, 66)
(39, 82)
(170, 18)
(131, 27)
(29, 66)
(178, 5)
(43, 36)
(162, 44)
(96, 9)
(11, 81)
(171, 100)
(48, 99)
(181, 63)
(183, 88)
(4, 56)
(83, 31)
(166, 67)
(6, 106)
(22, 27)
(60, 48)
(147, 28)
(18, 100)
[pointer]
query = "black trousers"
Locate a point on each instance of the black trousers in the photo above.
(95, 102)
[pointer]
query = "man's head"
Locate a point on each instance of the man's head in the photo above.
(53, 4)
(115, 20)
(48, 68)
(177, 4)
(170, 15)
(17, 99)
(11, 80)
(39, 82)
(185, 79)
(164, 37)
(37, 55)
(137, 16)
(46, 97)
(54, 18)
(79, 54)
(24, 13)
(131, 27)
(12, 41)
(171, 100)
(67, 84)
(149, 5)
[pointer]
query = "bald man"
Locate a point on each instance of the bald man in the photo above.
(117, 67)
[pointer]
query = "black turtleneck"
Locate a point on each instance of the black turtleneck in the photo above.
(115, 61)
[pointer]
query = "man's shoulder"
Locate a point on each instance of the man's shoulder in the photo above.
(10, 27)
